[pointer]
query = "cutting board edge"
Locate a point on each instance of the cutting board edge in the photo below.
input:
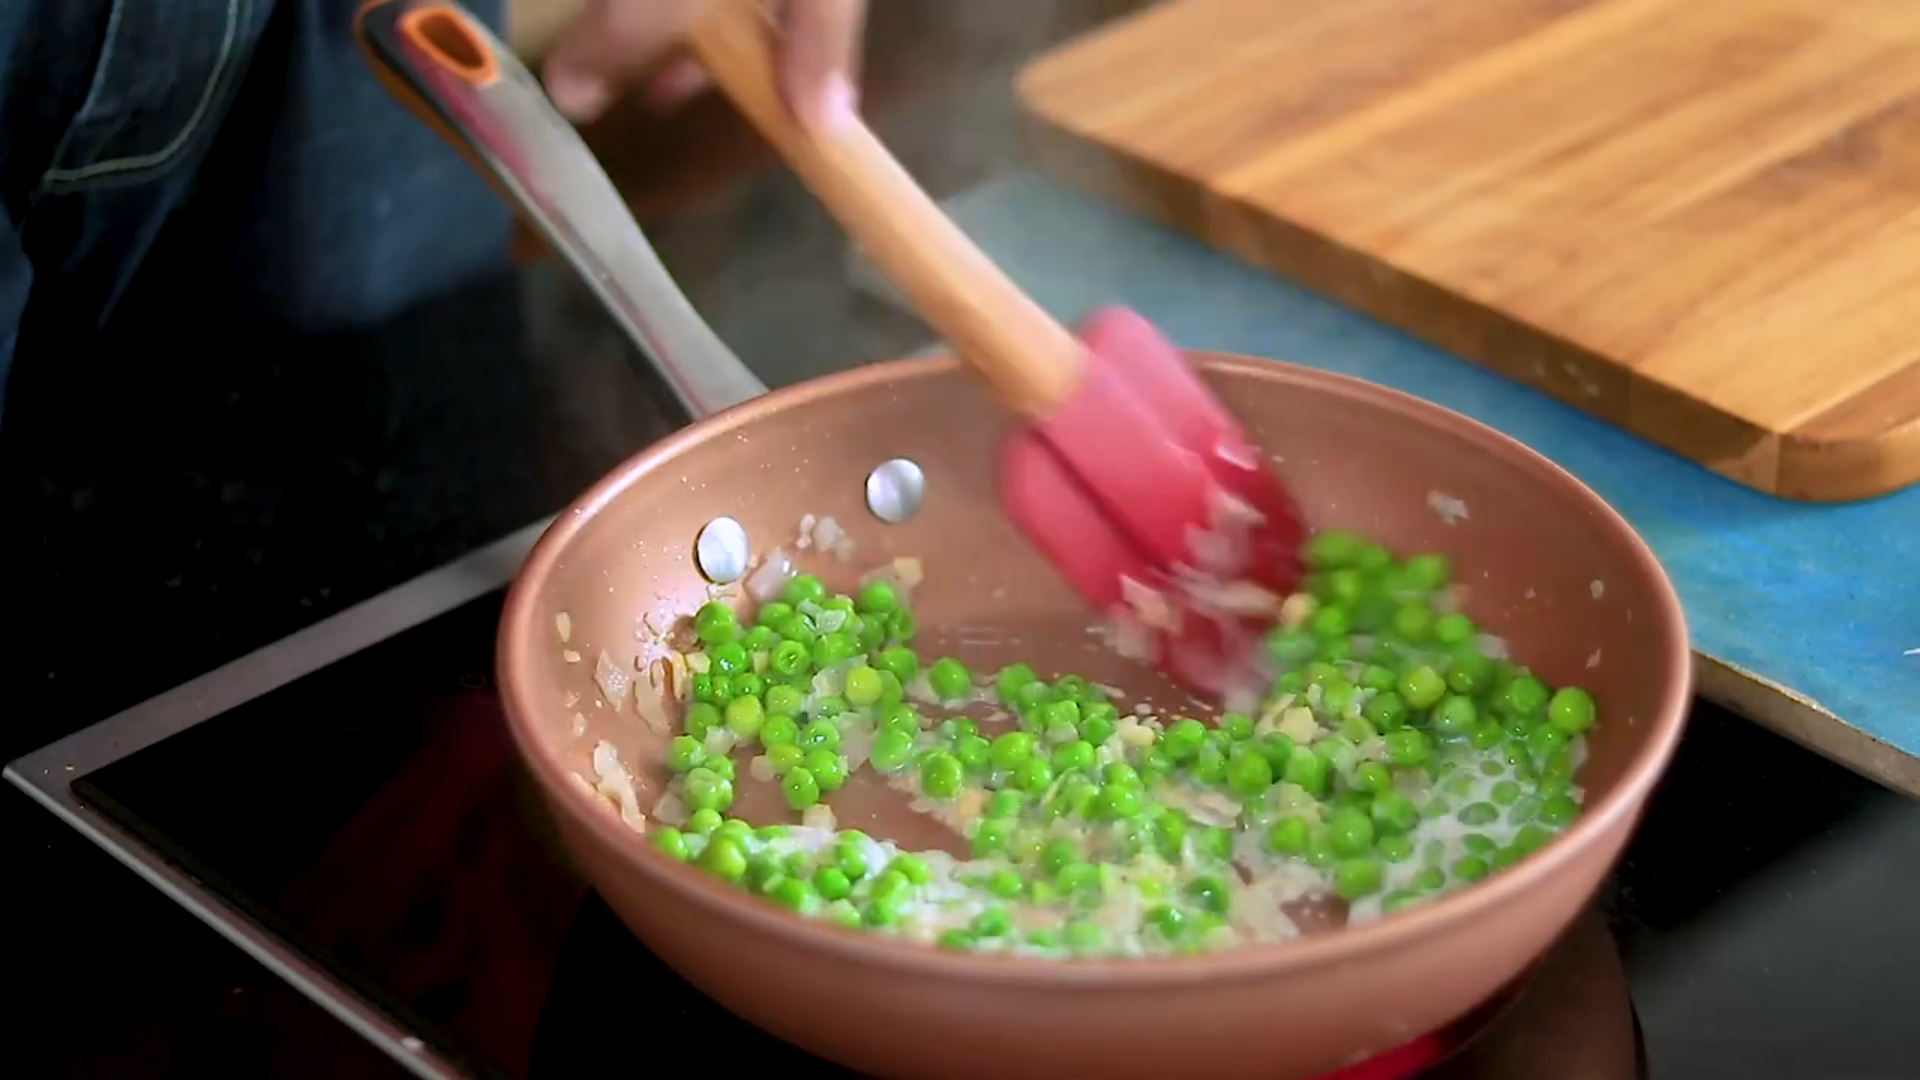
(1787, 464)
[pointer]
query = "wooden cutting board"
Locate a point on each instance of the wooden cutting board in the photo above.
(1696, 219)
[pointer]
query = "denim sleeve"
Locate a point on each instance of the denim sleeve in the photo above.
(234, 157)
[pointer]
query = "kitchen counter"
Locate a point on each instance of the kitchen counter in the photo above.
(162, 519)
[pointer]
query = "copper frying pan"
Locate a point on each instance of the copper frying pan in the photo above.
(1549, 565)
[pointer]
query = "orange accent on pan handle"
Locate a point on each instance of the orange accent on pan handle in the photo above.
(1022, 352)
(466, 85)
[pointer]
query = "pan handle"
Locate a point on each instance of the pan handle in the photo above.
(435, 58)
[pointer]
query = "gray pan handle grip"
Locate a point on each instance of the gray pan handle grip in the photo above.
(440, 62)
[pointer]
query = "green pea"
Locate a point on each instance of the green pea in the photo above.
(1081, 937)
(760, 639)
(1006, 884)
(1170, 921)
(800, 788)
(802, 588)
(1333, 549)
(829, 769)
(1372, 776)
(1478, 844)
(1349, 832)
(1010, 680)
(1073, 756)
(862, 686)
(745, 715)
(901, 661)
(1290, 648)
(1530, 838)
(1545, 740)
(790, 658)
(1455, 717)
(1470, 868)
(1209, 893)
(703, 822)
(671, 842)
(748, 684)
(1487, 735)
(1306, 769)
(974, 752)
(784, 700)
(1557, 811)
(1413, 623)
(702, 717)
(1571, 710)
(1357, 877)
(1096, 729)
(949, 679)
(1386, 711)
(990, 837)
(729, 658)
(1422, 687)
(1430, 880)
(991, 922)
(1329, 622)
(1427, 573)
(684, 754)
(1286, 836)
(1469, 673)
(941, 775)
(1453, 630)
(1394, 849)
(876, 597)
(1393, 813)
(1504, 793)
(797, 629)
(832, 648)
(1011, 750)
(772, 612)
(1249, 774)
(1033, 776)
(1478, 813)
(720, 765)
(724, 858)
(1117, 802)
(832, 883)
(821, 734)
(1183, 739)
(705, 789)
(714, 623)
(1523, 696)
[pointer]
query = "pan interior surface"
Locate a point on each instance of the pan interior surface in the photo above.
(1544, 565)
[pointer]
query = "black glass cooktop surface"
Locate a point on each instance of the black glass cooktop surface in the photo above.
(371, 814)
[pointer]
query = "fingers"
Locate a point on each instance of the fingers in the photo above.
(819, 65)
(608, 46)
(614, 42)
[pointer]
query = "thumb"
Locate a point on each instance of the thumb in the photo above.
(608, 45)
(819, 63)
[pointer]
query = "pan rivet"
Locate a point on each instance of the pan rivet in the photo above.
(721, 550)
(894, 490)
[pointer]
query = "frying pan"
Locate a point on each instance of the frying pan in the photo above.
(1546, 563)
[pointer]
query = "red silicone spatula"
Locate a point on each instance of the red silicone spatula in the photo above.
(1132, 479)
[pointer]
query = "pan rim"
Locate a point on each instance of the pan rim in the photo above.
(1505, 889)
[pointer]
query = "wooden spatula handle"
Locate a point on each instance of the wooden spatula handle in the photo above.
(1028, 358)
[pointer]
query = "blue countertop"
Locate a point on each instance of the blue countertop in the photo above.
(1817, 605)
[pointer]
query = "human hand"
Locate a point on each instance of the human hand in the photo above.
(618, 43)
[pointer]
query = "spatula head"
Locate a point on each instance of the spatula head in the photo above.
(1149, 498)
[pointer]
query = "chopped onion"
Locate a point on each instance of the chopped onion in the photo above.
(761, 768)
(770, 577)
(819, 816)
(670, 810)
(613, 679)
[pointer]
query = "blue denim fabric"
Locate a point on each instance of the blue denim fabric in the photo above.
(239, 145)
